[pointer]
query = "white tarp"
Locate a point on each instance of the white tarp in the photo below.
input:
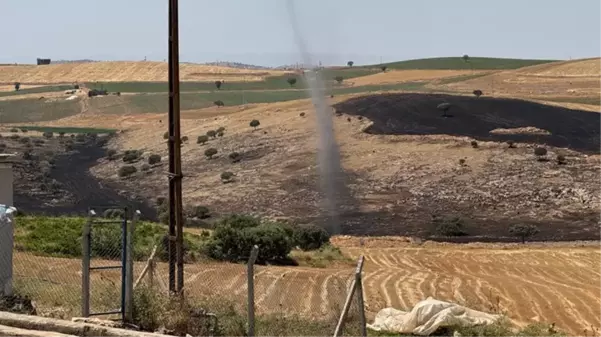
(427, 316)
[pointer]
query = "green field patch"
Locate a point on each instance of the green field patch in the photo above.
(46, 88)
(460, 78)
(36, 110)
(457, 63)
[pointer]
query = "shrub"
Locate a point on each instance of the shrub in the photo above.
(220, 134)
(255, 123)
(201, 212)
(523, 231)
(449, 227)
(210, 152)
(24, 140)
(130, 156)
(202, 139)
(310, 237)
(184, 139)
(220, 129)
(145, 167)
(166, 135)
(61, 134)
(14, 137)
(80, 138)
(339, 79)
(161, 201)
(14, 130)
(154, 159)
(474, 144)
(561, 159)
(48, 134)
(127, 170)
(235, 157)
(302, 114)
(2, 147)
(511, 144)
(540, 152)
(111, 154)
(218, 84)
(234, 237)
(227, 177)
(211, 133)
(38, 142)
(291, 81)
(113, 213)
(477, 93)
(219, 103)
(461, 161)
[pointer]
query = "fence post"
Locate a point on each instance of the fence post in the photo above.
(7, 227)
(250, 272)
(85, 265)
(359, 285)
(349, 298)
(129, 268)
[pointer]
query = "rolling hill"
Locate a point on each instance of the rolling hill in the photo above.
(457, 63)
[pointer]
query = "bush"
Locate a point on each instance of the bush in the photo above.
(523, 231)
(111, 154)
(201, 212)
(24, 140)
(113, 213)
(461, 161)
(219, 103)
(210, 152)
(474, 144)
(184, 139)
(291, 81)
(561, 159)
(227, 177)
(511, 144)
(154, 159)
(220, 134)
(255, 123)
(477, 92)
(220, 129)
(14, 130)
(80, 138)
(310, 237)
(449, 227)
(339, 79)
(14, 137)
(166, 135)
(302, 114)
(130, 156)
(202, 139)
(211, 133)
(48, 134)
(127, 170)
(235, 157)
(145, 167)
(540, 152)
(234, 237)
(61, 134)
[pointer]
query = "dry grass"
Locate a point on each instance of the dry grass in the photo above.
(577, 68)
(400, 76)
(123, 71)
(537, 283)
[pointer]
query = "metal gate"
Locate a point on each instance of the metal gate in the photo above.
(109, 230)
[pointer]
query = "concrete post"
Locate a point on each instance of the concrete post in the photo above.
(6, 225)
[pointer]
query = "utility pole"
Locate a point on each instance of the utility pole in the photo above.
(175, 160)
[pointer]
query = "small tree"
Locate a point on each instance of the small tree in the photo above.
(561, 159)
(310, 237)
(465, 58)
(255, 123)
(220, 129)
(235, 157)
(111, 154)
(444, 107)
(127, 170)
(383, 68)
(524, 231)
(540, 153)
(220, 134)
(477, 93)
(474, 144)
(184, 139)
(291, 81)
(210, 152)
(166, 135)
(339, 79)
(219, 103)
(154, 159)
(17, 86)
(202, 139)
(350, 63)
(227, 177)
(211, 133)
(218, 84)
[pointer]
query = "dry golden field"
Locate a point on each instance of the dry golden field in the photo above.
(123, 71)
(555, 283)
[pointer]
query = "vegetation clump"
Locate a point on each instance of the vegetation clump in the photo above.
(154, 159)
(202, 139)
(210, 152)
(127, 170)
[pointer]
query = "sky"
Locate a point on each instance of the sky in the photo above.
(336, 31)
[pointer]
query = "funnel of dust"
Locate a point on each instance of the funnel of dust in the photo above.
(332, 177)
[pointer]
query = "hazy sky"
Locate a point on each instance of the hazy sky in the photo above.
(258, 31)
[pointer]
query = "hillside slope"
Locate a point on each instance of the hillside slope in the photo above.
(123, 71)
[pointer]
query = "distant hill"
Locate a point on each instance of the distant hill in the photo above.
(456, 63)
(236, 65)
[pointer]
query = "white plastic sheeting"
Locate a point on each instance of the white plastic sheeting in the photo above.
(429, 315)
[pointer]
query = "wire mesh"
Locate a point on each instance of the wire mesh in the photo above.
(52, 283)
